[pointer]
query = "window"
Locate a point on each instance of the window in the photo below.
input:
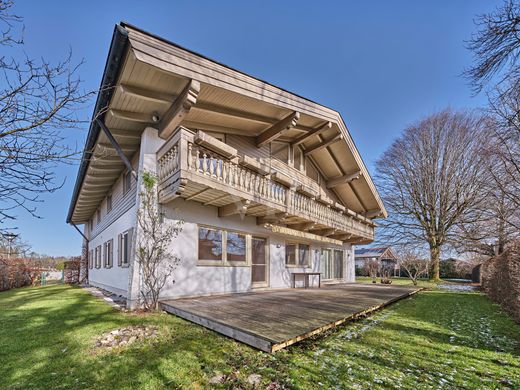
(297, 255)
(280, 151)
(222, 247)
(298, 159)
(98, 256)
(125, 240)
(98, 216)
(303, 254)
(290, 254)
(236, 247)
(311, 170)
(338, 264)
(210, 244)
(127, 182)
(108, 254)
(91, 259)
(109, 203)
(91, 224)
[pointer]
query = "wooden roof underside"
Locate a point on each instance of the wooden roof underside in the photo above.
(155, 73)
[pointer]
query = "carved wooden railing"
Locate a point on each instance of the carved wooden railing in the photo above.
(181, 153)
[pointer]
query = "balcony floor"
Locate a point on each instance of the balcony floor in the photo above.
(271, 320)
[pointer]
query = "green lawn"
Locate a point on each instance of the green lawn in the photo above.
(436, 338)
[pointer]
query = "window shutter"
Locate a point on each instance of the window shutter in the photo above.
(130, 246)
(119, 250)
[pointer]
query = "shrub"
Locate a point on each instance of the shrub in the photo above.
(501, 279)
(17, 272)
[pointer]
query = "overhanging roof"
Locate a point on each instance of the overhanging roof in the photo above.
(145, 75)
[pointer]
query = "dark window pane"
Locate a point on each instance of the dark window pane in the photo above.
(236, 247)
(303, 254)
(338, 264)
(258, 273)
(290, 254)
(258, 250)
(210, 244)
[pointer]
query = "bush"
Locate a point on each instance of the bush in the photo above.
(16, 273)
(501, 280)
(71, 270)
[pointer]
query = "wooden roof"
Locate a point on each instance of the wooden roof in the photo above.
(150, 74)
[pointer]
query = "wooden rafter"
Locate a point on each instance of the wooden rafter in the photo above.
(239, 207)
(179, 109)
(278, 129)
(324, 144)
(312, 133)
(343, 179)
(146, 94)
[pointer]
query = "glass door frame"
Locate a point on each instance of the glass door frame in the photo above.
(267, 262)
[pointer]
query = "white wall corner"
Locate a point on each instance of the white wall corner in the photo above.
(150, 144)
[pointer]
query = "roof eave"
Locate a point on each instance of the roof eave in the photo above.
(110, 75)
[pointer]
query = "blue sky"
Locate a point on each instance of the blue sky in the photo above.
(382, 64)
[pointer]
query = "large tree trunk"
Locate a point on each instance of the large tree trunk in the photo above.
(435, 255)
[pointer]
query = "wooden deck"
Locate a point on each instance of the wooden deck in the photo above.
(271, 320)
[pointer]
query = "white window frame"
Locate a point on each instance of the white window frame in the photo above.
(125, 250)
(297, 255)
(127, 182)
(109, 203)
(98, 256)
(108, 254)
(224, 262)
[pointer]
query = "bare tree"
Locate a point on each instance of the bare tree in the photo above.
(156, 262)
(38, 101)
(410, 260)
(496, 49)
(372, 268)
(430, 179)
(496, 46)
(496, 221)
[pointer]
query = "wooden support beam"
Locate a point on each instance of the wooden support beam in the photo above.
(311, 133)
(324, 144)
(271, 218)
(278, 129)
(239, 207)
(373, 213)
(146, 94)
(179, 109)
(343, 179)
(305, 226)
(341, 237)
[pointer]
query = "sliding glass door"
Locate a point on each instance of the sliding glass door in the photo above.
(332, 264)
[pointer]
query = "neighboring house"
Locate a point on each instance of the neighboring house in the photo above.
(383, 255)
(267, 182)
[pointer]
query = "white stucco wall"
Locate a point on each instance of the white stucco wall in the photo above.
(113, 279)
(193, 279)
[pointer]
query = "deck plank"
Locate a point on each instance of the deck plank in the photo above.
(272, 319)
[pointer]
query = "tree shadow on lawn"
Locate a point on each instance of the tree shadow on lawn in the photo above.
(53, 347)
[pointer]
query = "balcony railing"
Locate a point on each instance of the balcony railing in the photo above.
(181, 160)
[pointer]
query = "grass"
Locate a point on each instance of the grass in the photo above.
(436, 338)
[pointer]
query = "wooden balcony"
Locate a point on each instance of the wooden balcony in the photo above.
(197, 167)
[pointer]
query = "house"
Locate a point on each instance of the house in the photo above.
(268, 183)
(383, 255)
